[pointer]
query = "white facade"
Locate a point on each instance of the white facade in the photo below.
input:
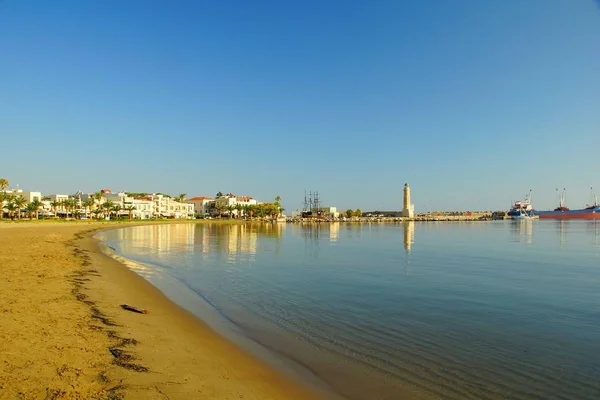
(28, 196)
(233, 200)
(202, 205)
(166, 207)
(327, 212)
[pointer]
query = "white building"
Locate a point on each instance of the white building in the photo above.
(145, 207)
(167, 207)
(233, 200)
(327, 212)
(28, 196)
(202, 205)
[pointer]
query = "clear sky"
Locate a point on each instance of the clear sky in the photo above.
(471, 102)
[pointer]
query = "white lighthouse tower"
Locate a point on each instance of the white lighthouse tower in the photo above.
(409, 209)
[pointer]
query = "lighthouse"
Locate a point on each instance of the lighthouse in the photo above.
(408, 211)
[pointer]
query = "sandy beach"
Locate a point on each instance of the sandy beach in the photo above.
(64, 334)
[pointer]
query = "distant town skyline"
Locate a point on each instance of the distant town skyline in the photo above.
(472, 103)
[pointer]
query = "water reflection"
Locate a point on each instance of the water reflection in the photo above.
(238, 242)
(409, 235)
(334, 231)
(160, 239)
(594, 228)
(562, 231)
(523, 231)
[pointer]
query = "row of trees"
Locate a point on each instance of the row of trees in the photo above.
(263, 210)
(16, 205)
(354, 213)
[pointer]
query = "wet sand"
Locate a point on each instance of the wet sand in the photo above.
(63, 334)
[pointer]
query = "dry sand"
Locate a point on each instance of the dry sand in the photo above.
(63, 334)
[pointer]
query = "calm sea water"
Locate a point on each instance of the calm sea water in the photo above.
(486, 310)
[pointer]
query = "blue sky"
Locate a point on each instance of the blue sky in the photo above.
(471, 102)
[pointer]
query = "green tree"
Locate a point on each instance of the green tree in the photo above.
(219, 194)
(54, 205)
(11, 207)
(3, 197)
(30, 210)
(70, 206)
(251, 210)
(116, 208)
(98, 196)
(88, 205)
(278, 205)
(130, 209)
(20, 202)
(220, 208)
(239, 208)
(107, 206)
(97, 212)
(180, 198)
(358, 212)
(35, 205)
(3, 184)
(349, 213)
(230, 210)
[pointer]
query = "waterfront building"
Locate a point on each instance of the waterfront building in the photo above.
(327, 212)
(233, 200)
(202, 205)
(28, 196)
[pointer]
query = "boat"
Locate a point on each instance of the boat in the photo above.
(562, 212)
(522, 209)
(525, 215)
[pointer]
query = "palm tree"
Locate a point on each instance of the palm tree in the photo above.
(251, 210)
(20, 202)
(107, 205)
(88, 205)
(98, 196)
(70, 205)
(239, 209)
(180, 198)
(11, 208)
(3, 197)
(3, 184)
(35, 206)
(55, 204)
(130, 209)
(230, 209)
(97, 212)
(220, 208)
(278, 205)
(116, 208)
(30, 210)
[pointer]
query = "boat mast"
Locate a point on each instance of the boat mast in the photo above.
(561, 198)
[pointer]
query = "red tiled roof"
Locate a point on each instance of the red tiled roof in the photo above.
(200, 198)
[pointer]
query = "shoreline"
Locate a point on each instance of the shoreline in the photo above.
(167, 353)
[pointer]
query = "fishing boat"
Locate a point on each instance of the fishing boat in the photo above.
(522, 209)
(522, 214)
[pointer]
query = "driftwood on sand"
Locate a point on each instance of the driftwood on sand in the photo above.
(134, 309)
